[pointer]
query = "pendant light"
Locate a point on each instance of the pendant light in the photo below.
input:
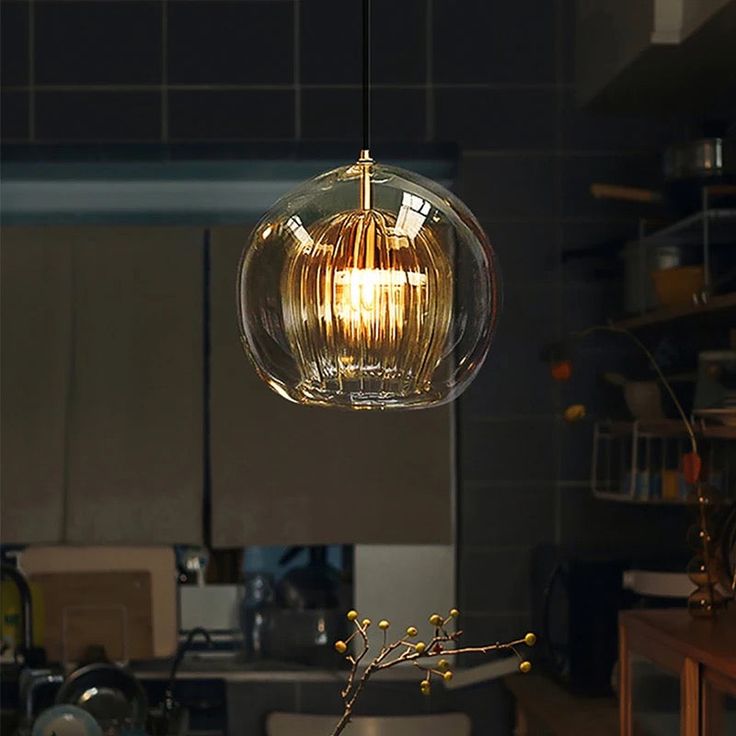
(368, 287)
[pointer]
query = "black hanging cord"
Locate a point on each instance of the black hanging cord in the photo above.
(366, 75)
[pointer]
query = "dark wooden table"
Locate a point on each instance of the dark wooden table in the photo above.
(701, 652)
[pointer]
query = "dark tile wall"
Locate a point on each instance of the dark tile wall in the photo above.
(494, 77)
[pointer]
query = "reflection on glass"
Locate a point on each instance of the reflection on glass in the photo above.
(720, 717)
(655, 696)
(368, 287)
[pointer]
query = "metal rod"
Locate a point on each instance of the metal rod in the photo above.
(366, 75)
(706, 240)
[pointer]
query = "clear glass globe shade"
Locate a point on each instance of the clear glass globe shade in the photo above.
(368, 287)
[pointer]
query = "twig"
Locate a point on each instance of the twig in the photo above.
(415, 653)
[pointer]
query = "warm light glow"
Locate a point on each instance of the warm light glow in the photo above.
(368, 287)
(372, 304)
(366, 307)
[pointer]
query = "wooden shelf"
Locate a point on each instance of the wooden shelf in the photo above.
(720, 303)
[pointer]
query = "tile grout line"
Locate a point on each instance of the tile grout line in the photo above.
(559, 312)
(297, 71)
(31, 71)
(429, 99)
(165, 71)
(285, 87)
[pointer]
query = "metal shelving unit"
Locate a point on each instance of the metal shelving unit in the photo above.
(725, 303)
(639, 462)
(711, 226)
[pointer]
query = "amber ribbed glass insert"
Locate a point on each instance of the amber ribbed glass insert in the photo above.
(366, 309)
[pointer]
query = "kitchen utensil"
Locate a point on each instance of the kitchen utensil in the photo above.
(691, 165)
(111, 609)
(640, 261)
(158, 561)
(676, 287)
(626, 194)
(192, 564)
(710, 158)
(170, 717)
(687, 168)
(643, 398)
(66, 720)
(111, 694)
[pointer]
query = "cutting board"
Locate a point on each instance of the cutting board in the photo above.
(109, 609)
(158, 561)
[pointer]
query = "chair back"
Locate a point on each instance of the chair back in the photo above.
(302, 724)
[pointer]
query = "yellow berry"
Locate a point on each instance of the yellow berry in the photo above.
(525, 666)
(530, 639)
(447, 676)
(435, 619)
(454, 612)
(424, 686)
(366, 623)
(383, 624)
(411, 631)
(443, 664)
(352, 615)
(341, 647)
(420, 646)
(574, 413)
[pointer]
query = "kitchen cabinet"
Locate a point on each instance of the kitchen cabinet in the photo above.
(109, 336)
(284, 474)
(35, 375)
(655, 55)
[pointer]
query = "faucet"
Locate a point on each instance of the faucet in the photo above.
(24, 590)
(169, 702)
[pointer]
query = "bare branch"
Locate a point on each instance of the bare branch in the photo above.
(418, 654)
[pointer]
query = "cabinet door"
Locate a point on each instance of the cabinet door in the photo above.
(288, 474)
(135, 428)
(35, 372)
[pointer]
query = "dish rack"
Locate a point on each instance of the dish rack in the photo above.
(639, 462)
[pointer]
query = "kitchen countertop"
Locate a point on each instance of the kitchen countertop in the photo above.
(235, 669)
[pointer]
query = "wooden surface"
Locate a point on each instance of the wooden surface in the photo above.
(709, 641)
(689, 648)
(690, 705)
(549, 708)
(721, 303)
(109, 609)
(159, 562)
(716, 688)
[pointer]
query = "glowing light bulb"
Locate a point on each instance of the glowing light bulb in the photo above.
(366, 311)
